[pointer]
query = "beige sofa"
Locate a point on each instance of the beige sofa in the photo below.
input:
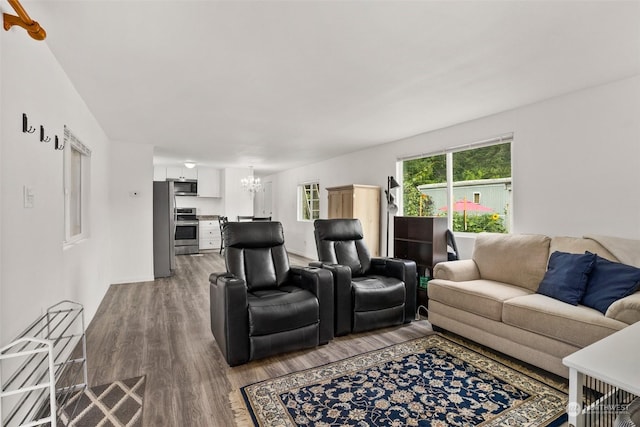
(491, 298)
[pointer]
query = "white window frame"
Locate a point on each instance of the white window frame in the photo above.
(502, 139)
(73, 196)
(313, 187)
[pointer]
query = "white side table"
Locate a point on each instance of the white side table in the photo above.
(614, 360)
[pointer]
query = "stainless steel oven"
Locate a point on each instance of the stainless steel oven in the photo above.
(186, 237)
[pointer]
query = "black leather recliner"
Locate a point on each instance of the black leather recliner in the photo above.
(263, 306)
(369, 292)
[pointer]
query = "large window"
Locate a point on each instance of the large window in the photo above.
(76, 187)
(474, 183)
(308, 201)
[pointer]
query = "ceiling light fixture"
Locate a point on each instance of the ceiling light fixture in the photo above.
(189, 165)
(250, 183)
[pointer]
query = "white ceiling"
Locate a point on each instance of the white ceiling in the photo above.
(279, 84)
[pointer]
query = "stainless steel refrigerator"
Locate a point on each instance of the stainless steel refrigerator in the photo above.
(164, 228)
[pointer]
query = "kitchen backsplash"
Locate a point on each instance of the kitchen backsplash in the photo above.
(204, 205)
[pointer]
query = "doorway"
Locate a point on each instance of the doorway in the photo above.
(262, 201)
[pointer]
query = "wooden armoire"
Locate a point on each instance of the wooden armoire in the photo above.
(362, 202)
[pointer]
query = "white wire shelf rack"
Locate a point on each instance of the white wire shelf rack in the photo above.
(43, 367)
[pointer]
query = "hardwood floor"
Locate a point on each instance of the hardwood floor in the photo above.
(162, 329)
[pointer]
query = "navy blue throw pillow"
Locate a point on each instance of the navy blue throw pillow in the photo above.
(566, 276)
(609, 281)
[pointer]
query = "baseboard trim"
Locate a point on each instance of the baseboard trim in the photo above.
(134, 279)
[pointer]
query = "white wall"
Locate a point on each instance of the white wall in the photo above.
(574, 166)
(36, 270)
(131, 228)
(236, 200)
(577, 162)
(2, 36)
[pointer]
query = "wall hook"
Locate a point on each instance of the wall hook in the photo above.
(58, 146)
(23, 20)
(42, 137)
(25, 125)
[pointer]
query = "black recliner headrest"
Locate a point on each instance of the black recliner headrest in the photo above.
(259, 234)
(338, 229)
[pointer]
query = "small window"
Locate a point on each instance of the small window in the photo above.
(76, 187)
(75, 193)
(476, 197)
(308, 201)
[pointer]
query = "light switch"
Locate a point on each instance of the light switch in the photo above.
(29, 195)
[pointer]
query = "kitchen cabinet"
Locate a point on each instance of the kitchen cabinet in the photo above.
(182, 173)
(209, 235)
(208, 182)
(361, 202)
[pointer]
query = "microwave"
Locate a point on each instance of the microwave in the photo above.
(185, 187)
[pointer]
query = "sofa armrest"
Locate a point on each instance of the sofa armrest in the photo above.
(342, 308)
(229, 316)
(626, 309)
(392, 267)
(319, 281)
(457, 271)
(401, 269)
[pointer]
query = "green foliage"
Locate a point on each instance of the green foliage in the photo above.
(489, 162)
(427, 170)
(426, 206)
(477, 223)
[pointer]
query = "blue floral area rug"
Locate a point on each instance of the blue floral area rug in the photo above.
(431, 381)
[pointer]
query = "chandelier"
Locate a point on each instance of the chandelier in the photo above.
(250, 183)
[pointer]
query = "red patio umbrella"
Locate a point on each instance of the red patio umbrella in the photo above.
(467, 206)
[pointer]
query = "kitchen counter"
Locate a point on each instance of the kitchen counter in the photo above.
(207, 217)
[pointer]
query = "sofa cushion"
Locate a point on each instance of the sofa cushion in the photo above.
(609, 281)
(481, 297)
(517, 259)
(576, 325)
(566, 276)
(283, 309)
(377, 293)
